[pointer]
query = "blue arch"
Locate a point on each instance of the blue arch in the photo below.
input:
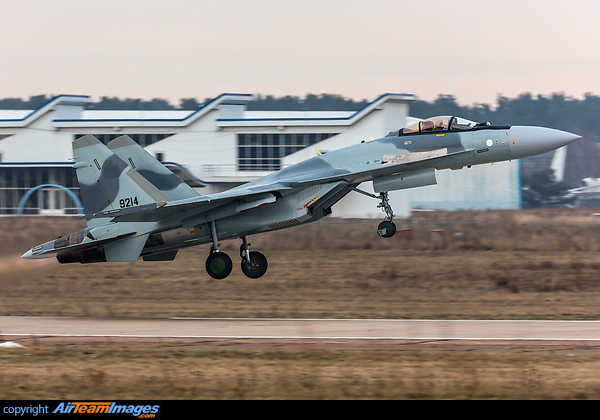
(28, 194)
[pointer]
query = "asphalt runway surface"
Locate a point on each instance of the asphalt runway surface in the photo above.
(351, 329)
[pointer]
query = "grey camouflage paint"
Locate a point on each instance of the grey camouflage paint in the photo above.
(305, 192)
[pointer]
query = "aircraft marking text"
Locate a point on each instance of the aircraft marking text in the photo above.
(128, 202)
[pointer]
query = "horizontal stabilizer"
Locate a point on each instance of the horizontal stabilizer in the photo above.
(127, 249)
(163, 256)
(48, 249)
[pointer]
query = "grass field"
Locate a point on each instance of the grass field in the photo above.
(220, 371)
(511, 266)
(475, 265)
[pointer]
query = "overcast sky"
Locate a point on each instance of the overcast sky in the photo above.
(472, 49)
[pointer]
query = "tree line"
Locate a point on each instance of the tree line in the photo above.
(556, 110)
(310, 102)
(105, 103)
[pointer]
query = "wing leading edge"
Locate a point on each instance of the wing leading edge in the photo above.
(393, 165)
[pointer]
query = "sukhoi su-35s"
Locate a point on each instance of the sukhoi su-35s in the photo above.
(135, 207)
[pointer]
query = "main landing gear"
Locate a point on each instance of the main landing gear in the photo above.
(254, 264)
(219, 265)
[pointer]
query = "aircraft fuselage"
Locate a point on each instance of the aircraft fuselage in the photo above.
(299, 194)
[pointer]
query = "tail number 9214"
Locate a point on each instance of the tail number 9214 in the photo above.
(128, 202)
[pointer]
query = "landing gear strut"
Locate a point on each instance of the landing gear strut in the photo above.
(254, 264)
(218, 264)
(387, 228)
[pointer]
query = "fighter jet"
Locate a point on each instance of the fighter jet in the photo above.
(135, 207)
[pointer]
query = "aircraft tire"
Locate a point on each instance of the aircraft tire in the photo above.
(218, 265)
(386, 229)
(257, 267)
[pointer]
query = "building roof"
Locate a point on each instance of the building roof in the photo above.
(72, 114)
(17, 119)
(314, 118)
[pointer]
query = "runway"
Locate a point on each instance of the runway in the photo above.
(359, 329)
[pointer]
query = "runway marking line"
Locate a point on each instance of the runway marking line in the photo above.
(316, 337)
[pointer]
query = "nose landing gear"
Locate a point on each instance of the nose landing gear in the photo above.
(387, 228)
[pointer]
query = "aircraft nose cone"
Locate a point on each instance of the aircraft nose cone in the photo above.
(530, 141)
(28, 255)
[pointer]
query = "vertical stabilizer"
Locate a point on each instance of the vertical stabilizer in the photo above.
(143, 162)
(106, 182)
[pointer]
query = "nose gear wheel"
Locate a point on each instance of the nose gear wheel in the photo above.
(386, 229)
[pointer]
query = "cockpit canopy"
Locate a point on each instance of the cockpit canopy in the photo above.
(443, 123)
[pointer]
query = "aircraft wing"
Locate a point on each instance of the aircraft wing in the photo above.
(258, 194)
(49, 248)
(250, 197)
(396, 164)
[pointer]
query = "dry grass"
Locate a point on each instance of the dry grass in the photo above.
(305, 284)
(188, 371)
(494, 265)
(333, 268)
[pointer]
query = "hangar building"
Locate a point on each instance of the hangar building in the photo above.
(219, 146)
